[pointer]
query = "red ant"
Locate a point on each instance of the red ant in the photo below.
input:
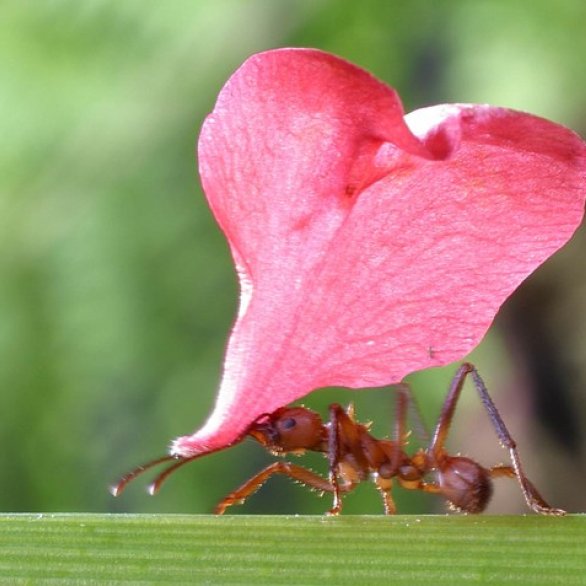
(354, 454)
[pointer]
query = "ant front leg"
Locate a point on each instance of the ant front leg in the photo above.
(297, 473)
(472, 479)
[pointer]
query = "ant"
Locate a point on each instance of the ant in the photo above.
(354, 454)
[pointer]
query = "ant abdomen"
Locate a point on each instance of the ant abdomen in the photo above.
(465, 484)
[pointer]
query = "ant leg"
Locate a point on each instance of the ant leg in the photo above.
(502, 472)
(402, 402)
(509, 472)
(334, 458)
(436, 448)
(342, 430)
(297, 473)
(534, 500)
(430, 487)
(407, 408)
(336, 413)
(384, 486)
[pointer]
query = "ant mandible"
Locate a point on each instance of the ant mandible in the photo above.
(354, 454)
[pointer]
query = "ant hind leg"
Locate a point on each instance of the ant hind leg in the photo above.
(531, 494)
(436, 449)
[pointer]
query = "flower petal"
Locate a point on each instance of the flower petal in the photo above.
(368, 244)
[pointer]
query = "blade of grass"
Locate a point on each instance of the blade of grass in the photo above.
(80, 548)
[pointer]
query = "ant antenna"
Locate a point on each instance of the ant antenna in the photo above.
(153, 488)
(119, 487)
(156, 484)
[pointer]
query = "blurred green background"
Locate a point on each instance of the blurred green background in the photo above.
(117, 289)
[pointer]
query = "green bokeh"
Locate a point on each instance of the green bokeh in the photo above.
(116, 287)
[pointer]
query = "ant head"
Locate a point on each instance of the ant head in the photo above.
(465, 484)
(288, 429)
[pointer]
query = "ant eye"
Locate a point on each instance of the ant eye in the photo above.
(288, 423)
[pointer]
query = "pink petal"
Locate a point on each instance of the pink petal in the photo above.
(368, 244)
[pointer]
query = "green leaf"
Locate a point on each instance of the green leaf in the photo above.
(139, 549)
